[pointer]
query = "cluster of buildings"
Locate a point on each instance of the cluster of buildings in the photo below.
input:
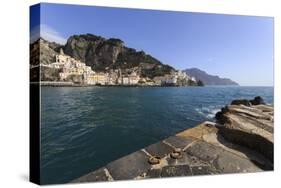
(174, 78)
(76, 71)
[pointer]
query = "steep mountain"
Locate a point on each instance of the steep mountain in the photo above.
(44, 52)
(47, 51)
(104, 54)
(208, 79)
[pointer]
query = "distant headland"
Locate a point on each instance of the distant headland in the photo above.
(208, 79)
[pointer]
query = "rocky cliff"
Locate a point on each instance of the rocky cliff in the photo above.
(43, 52)
(47, 51)
(208, 79)
(104, 54)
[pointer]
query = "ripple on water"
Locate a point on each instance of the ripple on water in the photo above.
(84, 128)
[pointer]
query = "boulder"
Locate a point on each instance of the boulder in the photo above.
(257, 101)
(241, 101)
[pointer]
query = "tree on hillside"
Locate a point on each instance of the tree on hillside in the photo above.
(200, 83)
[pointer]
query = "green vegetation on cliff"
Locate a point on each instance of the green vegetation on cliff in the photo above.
(103, 54)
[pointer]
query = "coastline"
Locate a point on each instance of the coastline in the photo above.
(239, 141)
(71, 84)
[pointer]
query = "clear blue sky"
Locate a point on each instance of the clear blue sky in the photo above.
(236, 47)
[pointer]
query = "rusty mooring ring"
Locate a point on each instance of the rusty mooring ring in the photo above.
(177, 153)
(209, 125)
(154, 160)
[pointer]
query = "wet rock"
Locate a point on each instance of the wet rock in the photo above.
(219, 114)
(241, 101)
(257, 101)
(221, 117)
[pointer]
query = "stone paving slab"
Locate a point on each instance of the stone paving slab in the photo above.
(154, 173)
(159, 149)
(179, 170)
(129, 167)
(179, 142)
(204, 151)
(202, 170)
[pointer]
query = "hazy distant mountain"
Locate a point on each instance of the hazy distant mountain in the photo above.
(209, 79)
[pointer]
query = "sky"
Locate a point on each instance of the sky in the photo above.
(237, 47)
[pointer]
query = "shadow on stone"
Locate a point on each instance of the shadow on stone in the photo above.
(252, 141)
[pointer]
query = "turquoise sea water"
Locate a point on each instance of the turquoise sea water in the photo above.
(84, 128)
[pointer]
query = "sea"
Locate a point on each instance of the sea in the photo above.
(84, 128)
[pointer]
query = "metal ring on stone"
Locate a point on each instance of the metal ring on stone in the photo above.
(209, 125)
(154, 160)
(177, 150)
(177, 153)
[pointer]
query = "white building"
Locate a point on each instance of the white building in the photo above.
(125, 80)
(193, 79)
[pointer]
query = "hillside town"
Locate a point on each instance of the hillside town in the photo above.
(68, 69)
